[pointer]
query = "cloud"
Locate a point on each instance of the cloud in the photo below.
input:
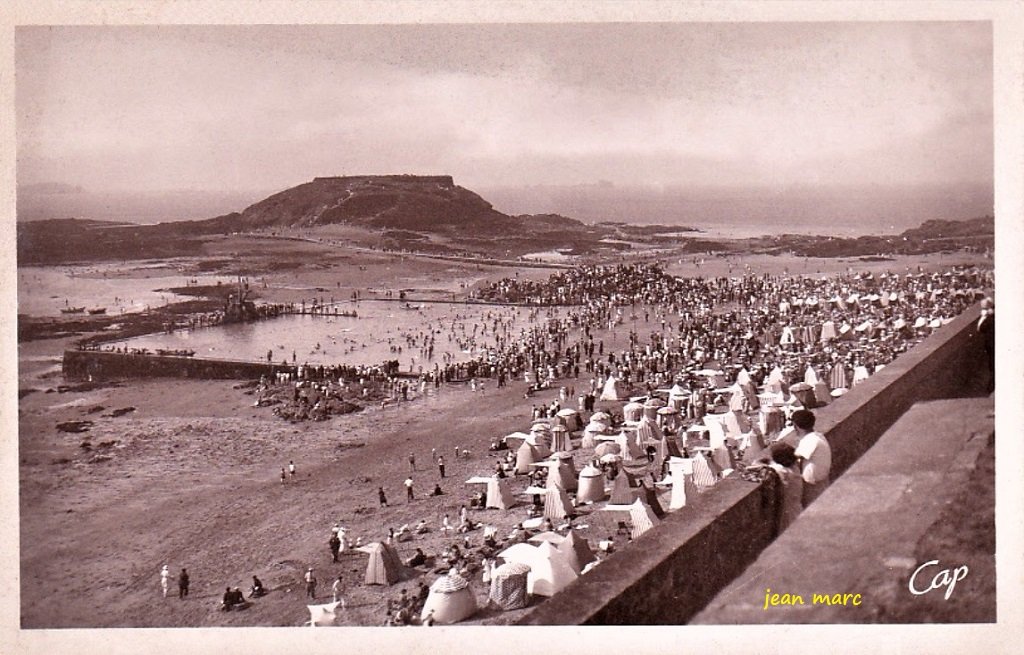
(208, 107)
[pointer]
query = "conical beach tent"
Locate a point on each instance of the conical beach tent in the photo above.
(562, 474)
(650, 498)
(549, 570)
(525, 456)
(837, 378)
(703, 476)
(642, 517)
(499, 496)
(613, 389)
(557, 504)
(384, 566)
(576, 551)
(451, 600)
(683, 488)
(551, 573)
(622, 493)
(648, 430)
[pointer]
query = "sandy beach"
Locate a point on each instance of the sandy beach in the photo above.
(190, 476)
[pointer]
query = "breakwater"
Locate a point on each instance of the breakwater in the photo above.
(107, 365)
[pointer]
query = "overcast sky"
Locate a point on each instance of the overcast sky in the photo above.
(240, 108)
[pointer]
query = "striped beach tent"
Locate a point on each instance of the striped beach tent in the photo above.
(557, 504)
(642, 517)
(648, 430)
(560, 440)
(837, 378)
(703, 475)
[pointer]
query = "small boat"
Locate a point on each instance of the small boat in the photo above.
(98, 310)
(72, 310)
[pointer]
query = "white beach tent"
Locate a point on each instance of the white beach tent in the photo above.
(649, 431)
(631, 412)
(590, 485)
(576, 551)
(322, 615)
(451, 600)
(683, 488)
(550, 572)
(613, 389)
(525, 457)
(499, 495)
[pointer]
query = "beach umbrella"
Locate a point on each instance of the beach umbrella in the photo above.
(600, 417)
(567, 412)
(607, 448)
(610, 458)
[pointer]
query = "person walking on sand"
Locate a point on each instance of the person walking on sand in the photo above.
(335, 545)
(284, 476)
(383, 498)
(440, 465)
(310, 583)
(183, 584)
(408, 489)
(412, 462)
(165, 579)
(291, 469)
(337, 589)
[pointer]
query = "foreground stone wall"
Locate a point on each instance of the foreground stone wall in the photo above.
(673, 571)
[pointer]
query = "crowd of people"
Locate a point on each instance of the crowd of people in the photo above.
(696, 334)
